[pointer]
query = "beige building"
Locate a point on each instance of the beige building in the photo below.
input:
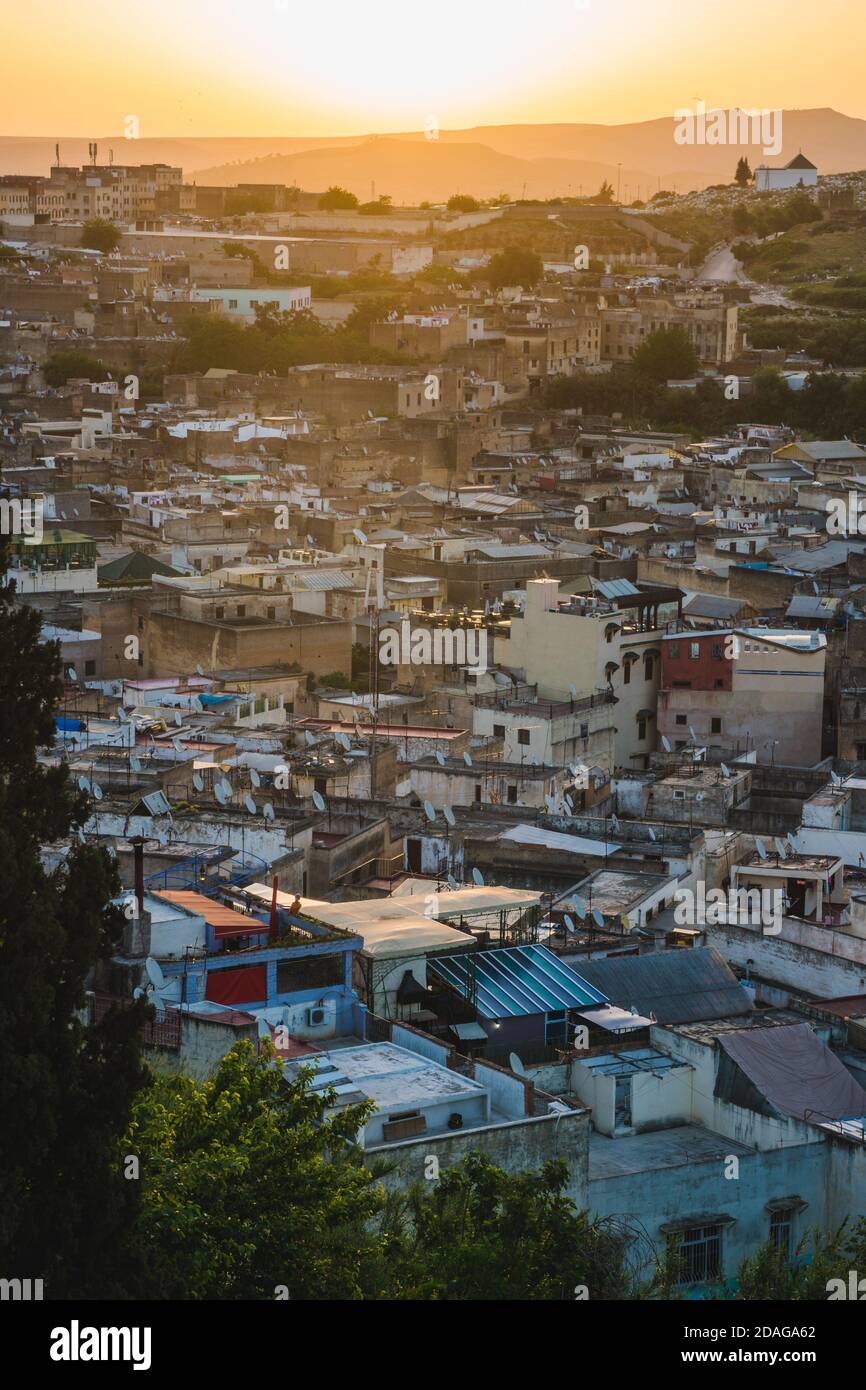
(710, 324)
(588, 645)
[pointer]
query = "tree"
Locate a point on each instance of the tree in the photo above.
(605, 193)
(100, 235)
(462, 202)
(481, 1233)
(60, 366)
(335, 198)
(66, 1089)
(381, 207)
(249, 1186)
(666, 353)
(744, 173)
(514, 266)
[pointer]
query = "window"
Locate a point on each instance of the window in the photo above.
(682, 718)
(715, 726)
(694, 651)
(477, 791)
(499, 731)
(556, 1028)
(512, 794)
(648, 668)
(641, 730)
(717, 651)
(781, 1230)
(674, 651)
(626, 673)
(309, 972)
(219, 612)
(90, 668)
(272, 613)
(698, 1253)
(523, 736)
(242, 610)
(584, 731)
(679, 796)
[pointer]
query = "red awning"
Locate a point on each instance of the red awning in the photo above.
(245, 986)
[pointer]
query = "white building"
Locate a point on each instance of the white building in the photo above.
(798, 173)
(241, 303)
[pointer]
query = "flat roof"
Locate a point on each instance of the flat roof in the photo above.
(392, 1076)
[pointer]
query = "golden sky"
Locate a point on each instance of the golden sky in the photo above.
(342, 67)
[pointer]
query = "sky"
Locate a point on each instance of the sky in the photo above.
(349, 67)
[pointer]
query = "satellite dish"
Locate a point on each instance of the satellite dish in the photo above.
(572, 690)
(597, 917)
(343, 740)
(177, 745)
(97, 791)
(467, 760)
(198, 670)
(550, 803)
(263, 1028)
(154, 973)
(359, 536)
(449, 815)
(162, 837)
(251, 806)
(122, 715)
(135, 764)
(255, 778)
(310, 738)
(666, 743)
(452, 883)
(440, 757)
(792, 842)
(781, 847)
(569, 923)
(700, 796)
(177, 719)
(726, 771)
(220, 793)
(692, 735)
(318, 801)
(614, 822)
(429, 811)
(515, 1064)
(478, 878)
(569, 803)
(761, 848)
(198, 781)
(268, 811)
(83, 784)
(81, 835)
(652, 833)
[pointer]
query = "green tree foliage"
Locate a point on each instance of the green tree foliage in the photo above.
(514, 266)
(744, 173)
(379, 207)
(463, 202)
(480, 1233)
(770, 1274)
(336, 198)
(248, 1185)
(61, 366)
(100, 235)
(664, 354)
(605, 194)
(66, 1090)
(275, 342)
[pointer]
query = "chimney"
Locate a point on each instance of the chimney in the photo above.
(138, 851)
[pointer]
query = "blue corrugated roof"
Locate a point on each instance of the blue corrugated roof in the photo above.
(516, 980)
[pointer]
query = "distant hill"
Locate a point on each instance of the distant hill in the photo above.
(521, 160)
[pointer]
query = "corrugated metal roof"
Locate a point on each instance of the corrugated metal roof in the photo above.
(712, 606)
(678, 986)
(326, 579)
(516, 981)
(812, 606)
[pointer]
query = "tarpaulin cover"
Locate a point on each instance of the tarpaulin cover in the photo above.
(796, 1072)
(245, 986)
